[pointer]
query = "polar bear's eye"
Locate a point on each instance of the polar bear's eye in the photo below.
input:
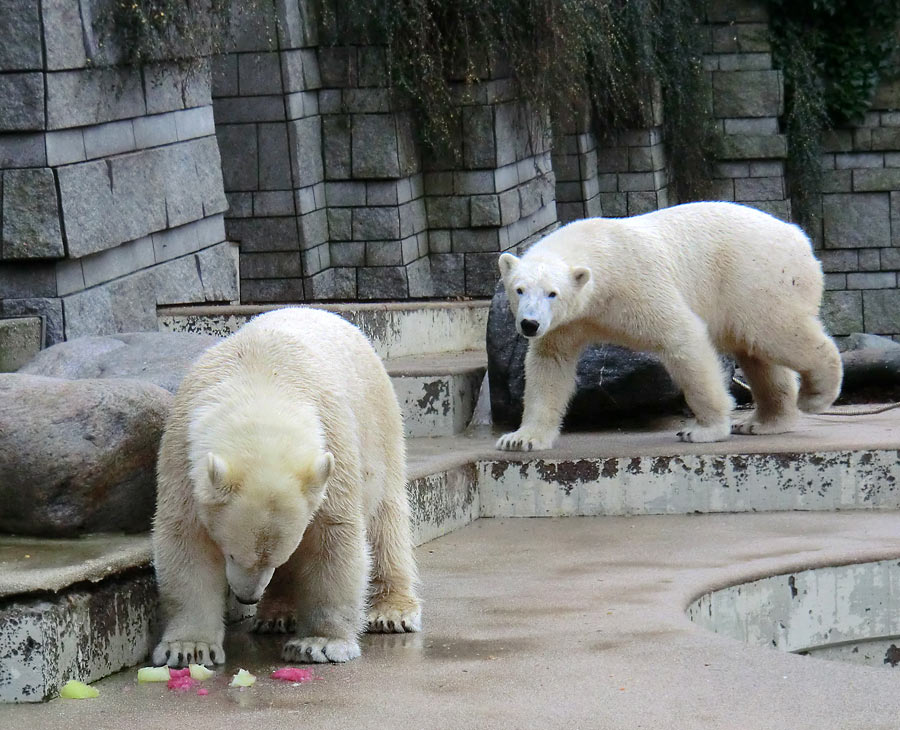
(552, 295)
(519, 291)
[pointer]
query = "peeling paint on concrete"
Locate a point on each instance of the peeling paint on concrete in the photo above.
(438, 405)
(690, 483)
(443, 502)
(848, 613)
(84, 633)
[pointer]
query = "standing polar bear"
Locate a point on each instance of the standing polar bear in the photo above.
(680, 282)
(283, 460)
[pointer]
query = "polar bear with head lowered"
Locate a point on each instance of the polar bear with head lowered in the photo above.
(682, 282)
(283, 465)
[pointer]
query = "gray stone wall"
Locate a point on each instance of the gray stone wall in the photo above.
(110, 180)
(747, 101)
(861, 221)
(331, 197)
(121, 190)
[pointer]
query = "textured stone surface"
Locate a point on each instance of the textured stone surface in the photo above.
(30, 215)
(842, 312)
(161, 358)
(78, 455)
(20, 340)
(21, 45)
(23, 101)
(856, 221)
(614, 384)
(882, 311)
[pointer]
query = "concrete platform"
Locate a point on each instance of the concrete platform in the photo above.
(575, 623)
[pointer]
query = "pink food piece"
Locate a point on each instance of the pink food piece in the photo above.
(202, 691)
(180, 683)
(175, 673)
(293, 674)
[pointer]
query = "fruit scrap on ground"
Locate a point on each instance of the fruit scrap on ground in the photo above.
(75, 690)
(181, 680)
(153, 674)
(293, 674)
(243, 679)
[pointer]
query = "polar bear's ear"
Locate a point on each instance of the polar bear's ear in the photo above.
(581, 275)
(219, 485)
(322, 468)
(507, 263)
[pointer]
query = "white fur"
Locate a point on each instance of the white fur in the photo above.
(684, 283)
(282, 469)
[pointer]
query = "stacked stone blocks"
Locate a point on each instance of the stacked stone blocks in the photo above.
(861, 220)
(747, 99)
(111, 185)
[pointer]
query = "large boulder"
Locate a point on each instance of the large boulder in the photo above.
(614, 384)
(162, 358)
(864, 341)
(78, 455)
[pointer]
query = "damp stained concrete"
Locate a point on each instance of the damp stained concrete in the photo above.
(555, 623)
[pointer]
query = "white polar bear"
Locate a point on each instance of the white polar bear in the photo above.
(679, 282)
(284, 455)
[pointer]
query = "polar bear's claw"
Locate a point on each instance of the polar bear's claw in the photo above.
(319, 650)
(274, 625)
(519, 441)
(182, 653)
(384, 618)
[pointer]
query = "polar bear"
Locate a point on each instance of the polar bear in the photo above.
(680, 282)
(283, 459)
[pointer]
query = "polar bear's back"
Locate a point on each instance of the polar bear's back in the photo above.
(728, 262)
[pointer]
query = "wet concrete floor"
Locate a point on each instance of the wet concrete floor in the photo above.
(554, 623)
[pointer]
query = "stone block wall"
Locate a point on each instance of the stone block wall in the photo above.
(747, 101)
(119, 188)
(110, 180)
(861, 221)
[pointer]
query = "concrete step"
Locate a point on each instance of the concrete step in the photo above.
(437, 393)
(85, 609)
(396, 329)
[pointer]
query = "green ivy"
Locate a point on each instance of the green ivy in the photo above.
(833, 54)
(184, 31)
(568, 58)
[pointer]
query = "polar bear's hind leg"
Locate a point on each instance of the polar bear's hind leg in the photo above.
(774, 389)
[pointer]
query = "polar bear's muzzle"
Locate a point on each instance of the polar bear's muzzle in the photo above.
(529, 327)
(247, 585)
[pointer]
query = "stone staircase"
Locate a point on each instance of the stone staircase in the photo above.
(86, 609)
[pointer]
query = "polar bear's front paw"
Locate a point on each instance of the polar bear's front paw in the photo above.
(319, 649)
(524, 440)
(182, 653)
(391, 617)
(705, 434)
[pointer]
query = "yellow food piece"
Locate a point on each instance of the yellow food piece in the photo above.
(198, 671)
(75, 690)
(243, 679)
(153, 674)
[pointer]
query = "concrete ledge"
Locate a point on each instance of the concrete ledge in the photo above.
(395, 329)
(82, 633)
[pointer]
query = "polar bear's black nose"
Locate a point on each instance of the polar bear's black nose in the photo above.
(529, 327)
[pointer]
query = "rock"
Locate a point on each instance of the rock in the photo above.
(863, 341)
(614, 383)
(78, 456)
(870, 370)
(161, 358)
